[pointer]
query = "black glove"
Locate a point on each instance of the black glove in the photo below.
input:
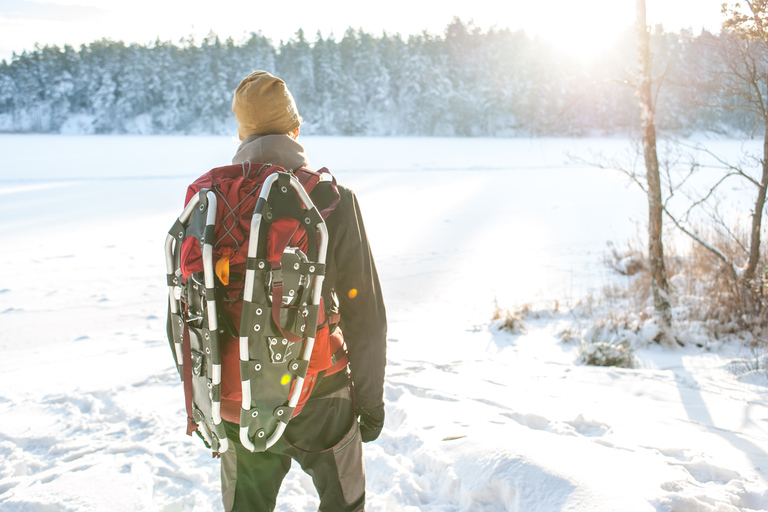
(371, 422)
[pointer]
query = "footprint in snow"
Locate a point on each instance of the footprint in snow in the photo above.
(589, 428)
(531, 421)
(699, 467)
(579, 426)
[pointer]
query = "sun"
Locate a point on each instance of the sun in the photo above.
(583, 29)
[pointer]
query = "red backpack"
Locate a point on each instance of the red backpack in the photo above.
(251, 239)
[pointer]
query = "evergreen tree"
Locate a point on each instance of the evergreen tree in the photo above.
(328, 85)
(296, 67)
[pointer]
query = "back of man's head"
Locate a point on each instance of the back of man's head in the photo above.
(263, 105)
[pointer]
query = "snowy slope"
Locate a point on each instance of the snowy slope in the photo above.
(478, 420)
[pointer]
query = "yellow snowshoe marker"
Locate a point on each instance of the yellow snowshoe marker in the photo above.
(285, 380)
(352, 293)
(222, 269)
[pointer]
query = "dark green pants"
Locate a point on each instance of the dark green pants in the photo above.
(250, 481)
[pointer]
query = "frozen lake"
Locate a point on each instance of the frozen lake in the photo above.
(530, 225)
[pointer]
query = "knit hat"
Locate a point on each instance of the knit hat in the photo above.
(263, 105)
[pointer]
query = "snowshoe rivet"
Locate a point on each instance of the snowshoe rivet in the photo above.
(261, 264)
(207, 336)
(295, 366)
(257, 327)
(254, 414)
(202, 207)
(258, 311)
(210, 385)
(269, 215)
(303, 327)
(312, 268)
(280, 412)
(261, 433)
(257, 367)
(181, 234)
(207, 350)
(278, 357)
(291, 293)
(307, 221)
(283, 189)
(273, 342)
(285, 341)
(295, 266)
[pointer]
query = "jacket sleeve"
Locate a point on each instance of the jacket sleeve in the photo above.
(363, 317)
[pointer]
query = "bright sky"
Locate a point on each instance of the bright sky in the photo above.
(580, 26)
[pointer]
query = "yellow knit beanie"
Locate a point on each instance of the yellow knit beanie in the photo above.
(263, 105)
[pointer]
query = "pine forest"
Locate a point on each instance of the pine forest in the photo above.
(464, 82)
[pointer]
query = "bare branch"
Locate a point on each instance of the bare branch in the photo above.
(658, 86)
(721, 222)
(612, 166)
(722, 257)
(712, 190)
(733, 169)
(694, 166)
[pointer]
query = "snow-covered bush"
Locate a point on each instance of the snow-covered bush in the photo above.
(610, 342)
(601, 353)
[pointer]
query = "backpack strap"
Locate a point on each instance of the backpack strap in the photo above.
(327, 211)
(309, 179)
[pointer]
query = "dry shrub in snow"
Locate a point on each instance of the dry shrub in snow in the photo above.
(709, 291)
(757, 364)
(507, 320)
(633, 292)
(704, 291)
(569, 335)
(628, 262)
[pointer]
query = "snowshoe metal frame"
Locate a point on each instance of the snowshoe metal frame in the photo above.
(267, 330)
(196, 336)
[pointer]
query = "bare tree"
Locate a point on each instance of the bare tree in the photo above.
(747, 64)
(644, 91)
(741, 83)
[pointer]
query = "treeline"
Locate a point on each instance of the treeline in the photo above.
(465, 82)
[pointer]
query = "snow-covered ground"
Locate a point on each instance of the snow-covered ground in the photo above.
(91, 410)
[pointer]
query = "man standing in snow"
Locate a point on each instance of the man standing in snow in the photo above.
(326, 437)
